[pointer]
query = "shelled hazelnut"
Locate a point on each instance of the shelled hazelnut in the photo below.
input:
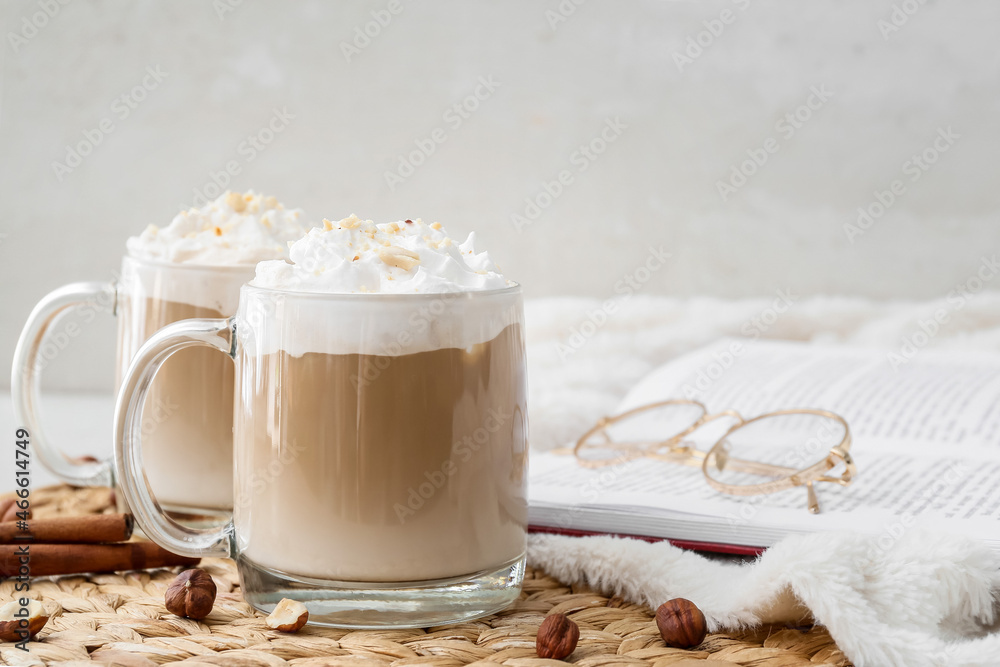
(288, 616)
(11, 627)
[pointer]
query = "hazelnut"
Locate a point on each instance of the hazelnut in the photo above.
(287, 616)
(557, 637)
(350, 222)
(681, 623)
(12, 621)
(236, 201)
(399, 257)
(191, 594)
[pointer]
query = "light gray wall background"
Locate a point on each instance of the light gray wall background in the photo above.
(559, 82)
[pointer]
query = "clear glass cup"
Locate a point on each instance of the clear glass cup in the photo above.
(380, 452)
(189, 406)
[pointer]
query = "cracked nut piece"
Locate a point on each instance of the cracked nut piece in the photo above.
(557, 637)
(288, 616)
(18, 623)
(191, 594)
(400, 257)
(236, 201)
(681, 623)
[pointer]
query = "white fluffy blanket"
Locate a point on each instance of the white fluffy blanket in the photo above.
(927, 601)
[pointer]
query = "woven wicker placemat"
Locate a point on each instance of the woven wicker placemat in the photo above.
(119, 619)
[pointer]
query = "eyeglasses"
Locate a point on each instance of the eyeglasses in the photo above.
(773, 452)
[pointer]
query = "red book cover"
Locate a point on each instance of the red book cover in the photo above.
(693, 545)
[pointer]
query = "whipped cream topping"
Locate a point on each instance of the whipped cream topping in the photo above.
(355, 256)
(237, 228)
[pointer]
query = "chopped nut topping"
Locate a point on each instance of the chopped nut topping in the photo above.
(218, 231)
(270, 202)
(327, 225)
(350, 223)
(399, 257)
(236, 202)
(436, 225)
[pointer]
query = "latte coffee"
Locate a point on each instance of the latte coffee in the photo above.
(380, 469)
(379, 429)
(188, 411)
(194, 268)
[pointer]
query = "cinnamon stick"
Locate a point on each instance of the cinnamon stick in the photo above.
(90, 529)
(9, 510)
(49, 559)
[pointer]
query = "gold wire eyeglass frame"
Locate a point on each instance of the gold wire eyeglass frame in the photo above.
(674, 449)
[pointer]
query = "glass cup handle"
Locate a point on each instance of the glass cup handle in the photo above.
(26, 374)
(215, 333)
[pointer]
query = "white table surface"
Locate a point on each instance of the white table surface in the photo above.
(79, 422)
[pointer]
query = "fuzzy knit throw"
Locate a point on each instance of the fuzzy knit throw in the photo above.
(928, 599)
(925, 601)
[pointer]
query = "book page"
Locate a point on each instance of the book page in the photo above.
(925, 438)
(940, 399)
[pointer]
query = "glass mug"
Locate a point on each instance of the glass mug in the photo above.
(380, 447)
(189, 407)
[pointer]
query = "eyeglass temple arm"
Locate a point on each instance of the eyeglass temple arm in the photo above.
(835, 453)
(845, 478)
(696, 456)
(811, 500)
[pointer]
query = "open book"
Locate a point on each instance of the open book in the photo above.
(926, 440)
